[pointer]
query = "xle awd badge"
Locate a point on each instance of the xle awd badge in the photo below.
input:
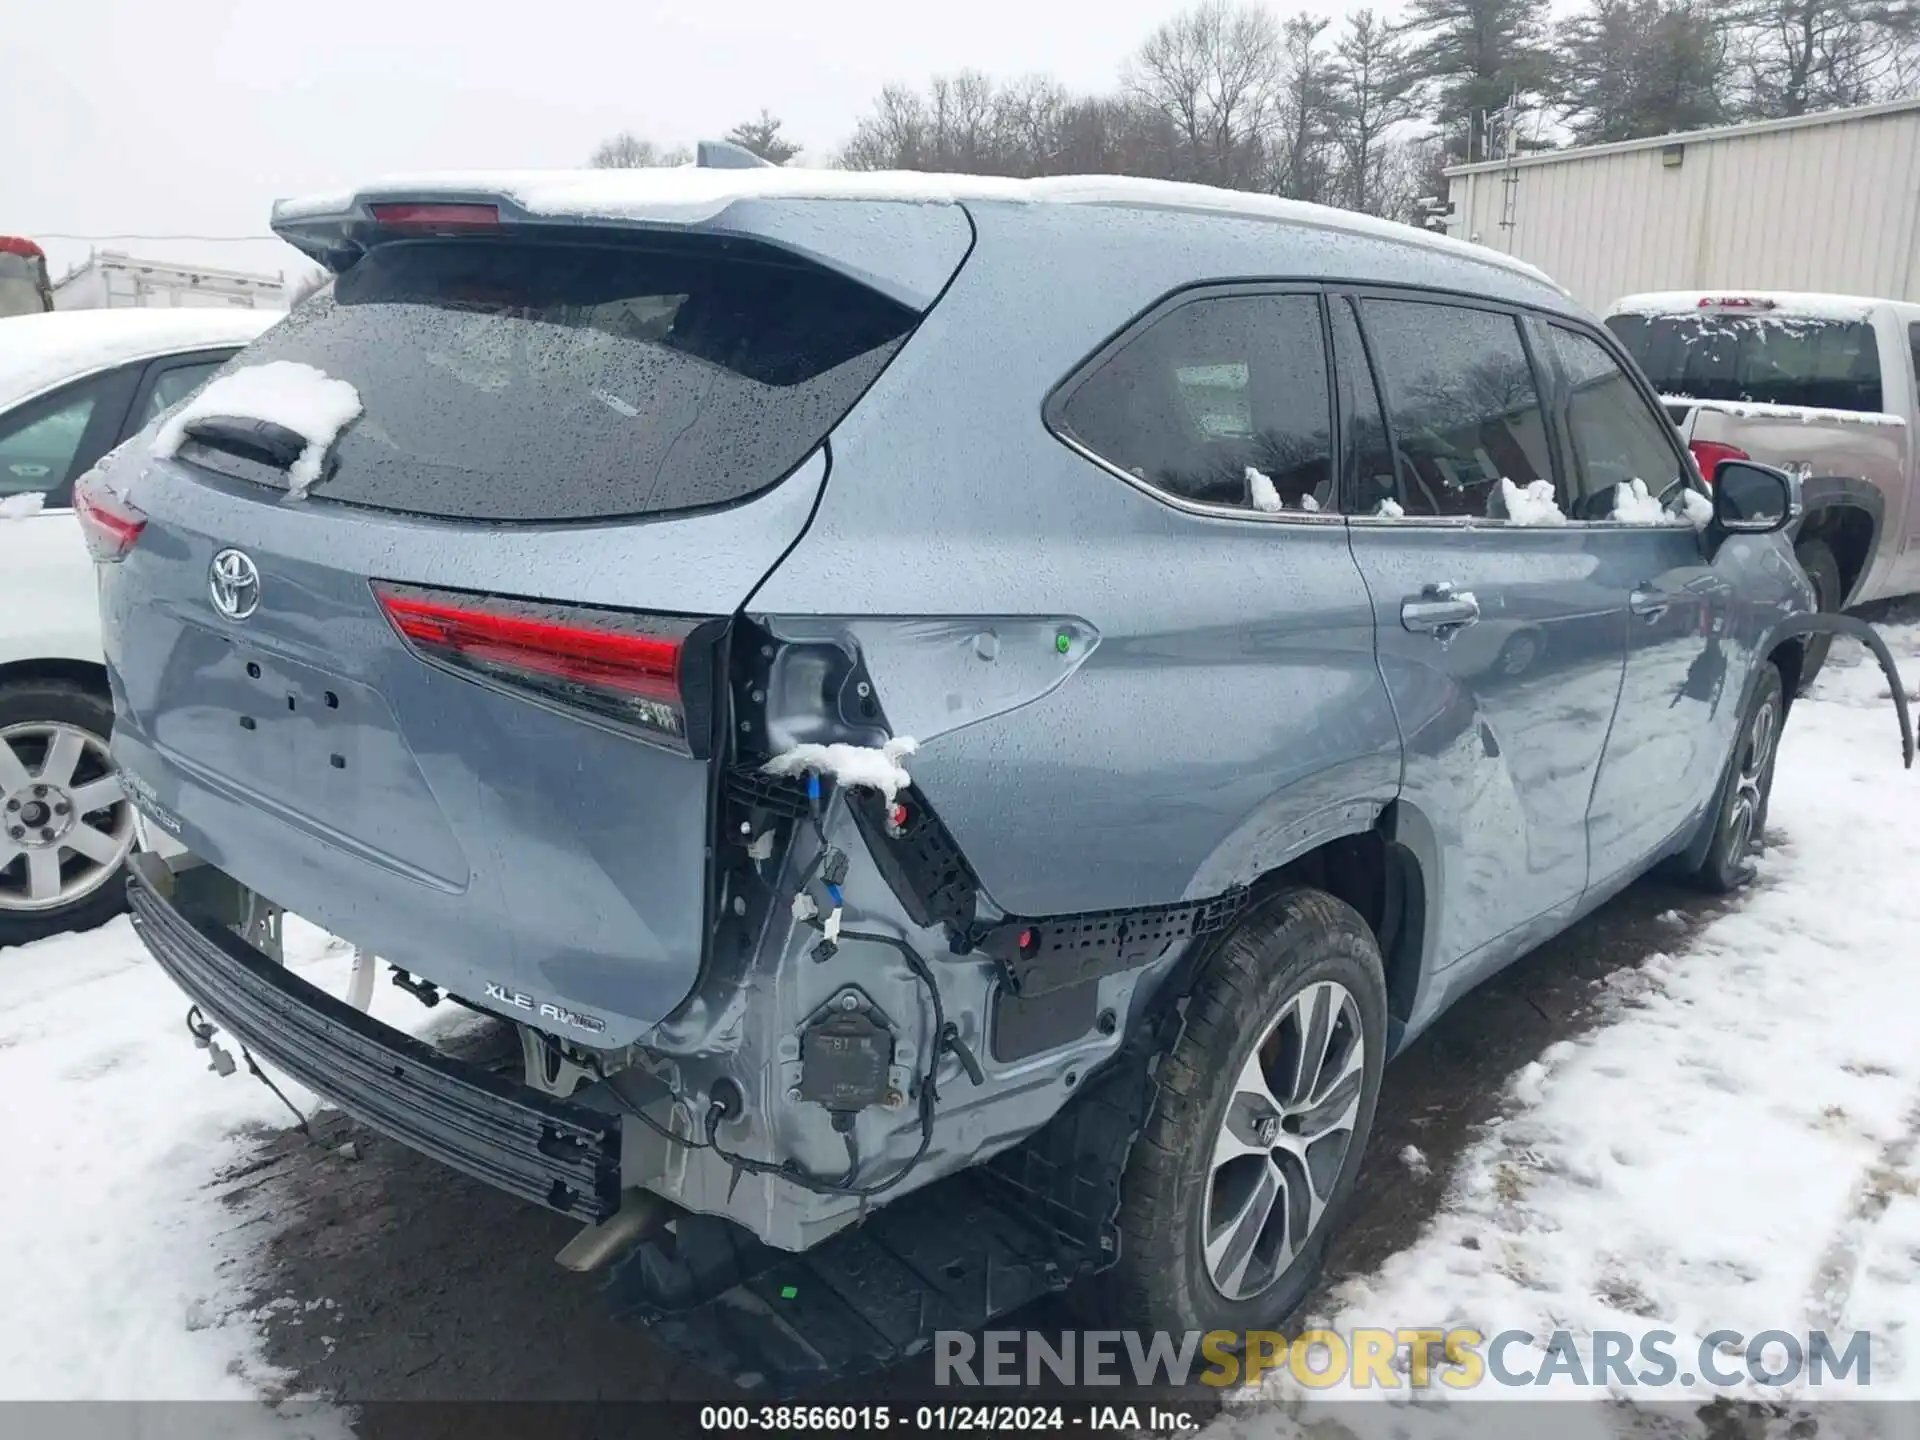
(234, 582)
(520, 1000)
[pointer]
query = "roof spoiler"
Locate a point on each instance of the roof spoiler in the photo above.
(725, 155)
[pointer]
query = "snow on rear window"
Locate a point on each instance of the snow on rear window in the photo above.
(516, 380)
(305, 400)
(1819, 362)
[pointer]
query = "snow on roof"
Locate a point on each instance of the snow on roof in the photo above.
(688, 194)
(1802, 414)
(38, 352)
(1784, 304)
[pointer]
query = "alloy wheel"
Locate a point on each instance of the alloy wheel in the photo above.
(1756, 753)
(65, 824)
(1283, 1141)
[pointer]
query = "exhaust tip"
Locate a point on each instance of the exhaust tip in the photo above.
(641, 1213)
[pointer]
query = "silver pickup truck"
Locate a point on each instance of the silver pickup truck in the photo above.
(1820, 385)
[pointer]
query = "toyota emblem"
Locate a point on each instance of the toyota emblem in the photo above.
(234, 581)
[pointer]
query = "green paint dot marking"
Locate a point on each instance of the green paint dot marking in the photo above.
(787, 1292)
(1063, 642)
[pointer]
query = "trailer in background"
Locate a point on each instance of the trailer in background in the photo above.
(1827, 202)
(111, 280)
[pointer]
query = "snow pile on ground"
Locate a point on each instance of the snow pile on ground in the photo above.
(19, 507)
(1535, 505)
(307, 401)
(853, 765)
(126, 1272)
(1737, 1148)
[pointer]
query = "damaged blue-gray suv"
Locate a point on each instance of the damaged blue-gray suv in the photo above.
(962, 722)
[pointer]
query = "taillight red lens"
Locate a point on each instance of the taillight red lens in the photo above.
(436, 217)
(111, 526)
(1708, 454)
(620, 666)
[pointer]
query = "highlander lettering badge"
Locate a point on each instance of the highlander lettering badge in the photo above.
(234, 582)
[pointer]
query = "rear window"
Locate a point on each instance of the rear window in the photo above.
(1772, 360)
(507, 380)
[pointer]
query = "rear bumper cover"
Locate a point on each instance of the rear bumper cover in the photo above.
(552, 1152)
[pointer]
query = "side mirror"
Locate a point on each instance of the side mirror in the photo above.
(1752, 499)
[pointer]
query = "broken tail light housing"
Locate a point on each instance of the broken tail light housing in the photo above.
(649, 675)
(1708, 454)
(110, 525)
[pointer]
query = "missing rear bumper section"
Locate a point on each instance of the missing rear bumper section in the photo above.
(552, 1152)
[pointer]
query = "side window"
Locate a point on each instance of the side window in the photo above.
(170, 387)
(1618, 438)
(1463, 403)
(1367, 483)
(41, 441)
(1222, 400)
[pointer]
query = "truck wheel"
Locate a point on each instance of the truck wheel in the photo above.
(1823, 573)
(65, 824)
(1739, 829)
(1236, 1185)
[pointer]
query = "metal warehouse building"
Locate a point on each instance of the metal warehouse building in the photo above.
(1817, 202)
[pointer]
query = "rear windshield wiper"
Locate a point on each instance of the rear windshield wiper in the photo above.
(262, 441)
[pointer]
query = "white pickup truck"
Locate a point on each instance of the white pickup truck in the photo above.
(1820, 385)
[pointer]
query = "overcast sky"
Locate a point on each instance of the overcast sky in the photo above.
(192, 117)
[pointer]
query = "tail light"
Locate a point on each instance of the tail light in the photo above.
(1736, 302)
(111, 526)
(1708, 454)
(650, 674)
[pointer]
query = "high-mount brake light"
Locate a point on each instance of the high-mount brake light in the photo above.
(631, 669)
(110, 526)
(1736, 302)
(436, 217)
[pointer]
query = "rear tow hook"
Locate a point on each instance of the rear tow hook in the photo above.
(203, 1031)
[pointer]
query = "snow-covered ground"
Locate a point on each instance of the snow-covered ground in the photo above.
(124, 1271)
(1735, 1147)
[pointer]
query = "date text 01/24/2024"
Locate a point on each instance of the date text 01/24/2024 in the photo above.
(976, 1419)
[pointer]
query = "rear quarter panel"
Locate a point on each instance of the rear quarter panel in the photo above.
(1232, 714)
(49, 609)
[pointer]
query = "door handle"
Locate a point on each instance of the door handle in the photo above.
(1439, 610)
(1649, 602)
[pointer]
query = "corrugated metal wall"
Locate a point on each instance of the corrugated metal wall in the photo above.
(1830, 204)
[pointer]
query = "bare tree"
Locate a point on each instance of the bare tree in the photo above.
(764, 139)
(1797, 56)
(627, 151)
(306, 283)
(1214, 73)
(1370, 95)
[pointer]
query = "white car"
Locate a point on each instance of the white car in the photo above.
(73, 384)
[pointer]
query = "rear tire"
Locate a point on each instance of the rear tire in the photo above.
(53, 752)
(1823, 573)
(1300, 975)
(1739, 830)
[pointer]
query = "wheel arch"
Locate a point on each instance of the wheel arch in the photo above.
(1370, 868)
(1846, 514)
(88, 674)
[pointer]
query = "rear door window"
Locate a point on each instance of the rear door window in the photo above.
(1463, 403)
(1617, 436)
(47, 442)
(1221, 401)
(1826, 364)
(510, 380)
